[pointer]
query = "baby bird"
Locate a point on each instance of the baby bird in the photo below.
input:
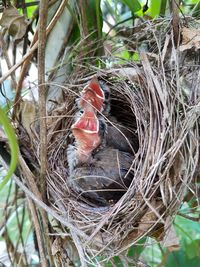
(86, 133)
(115, 134)
(97, 172)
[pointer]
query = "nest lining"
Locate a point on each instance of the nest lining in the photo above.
(164, 118)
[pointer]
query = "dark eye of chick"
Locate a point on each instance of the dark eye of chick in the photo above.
(102, 126)
(106, 94)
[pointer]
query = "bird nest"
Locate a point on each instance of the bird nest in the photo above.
(159, 103)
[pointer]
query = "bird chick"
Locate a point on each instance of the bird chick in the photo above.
(107, 178)
(97, 172)
(116, 135)
(87, 138)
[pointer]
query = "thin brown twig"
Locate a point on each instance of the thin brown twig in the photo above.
(42, 115)
(42, 93)
(38, 231)
(175, 20)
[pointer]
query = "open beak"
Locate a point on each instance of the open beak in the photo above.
(94, 94)
(87, 123)
(95, 87)
(86, 131)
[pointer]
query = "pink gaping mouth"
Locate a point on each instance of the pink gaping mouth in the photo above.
(88, 123)
(94, 94)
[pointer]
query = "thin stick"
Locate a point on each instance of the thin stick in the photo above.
(42, 112)
(38, 232)
(42, 92)
(175, 20)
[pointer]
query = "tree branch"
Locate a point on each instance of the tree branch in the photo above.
(42, 92)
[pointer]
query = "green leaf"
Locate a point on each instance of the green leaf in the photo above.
(109, 264)
(196, 10)
(163, 7)
(136, 56)
(123, 54)
(12, 225)
(136, 250)
(94, 17)
(118, 261)
(187, 229)
(189, 234)
(4, 121)
(99, 18)
(180, 259)
(154, 9)
(152, 252)
(192, 250)
(133, 5)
